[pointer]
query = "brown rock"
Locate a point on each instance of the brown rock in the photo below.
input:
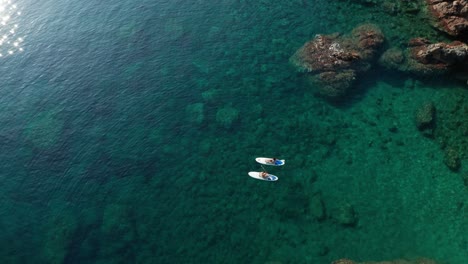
(369, 39)
(332, 62)
(333, 85)
(324, 53)
(393, 59)
(446, 53)
(345, 215)
(425, 58)
(452, 16)
(415, 42)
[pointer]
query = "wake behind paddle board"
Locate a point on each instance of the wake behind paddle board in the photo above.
(257, 175)
(268, 161)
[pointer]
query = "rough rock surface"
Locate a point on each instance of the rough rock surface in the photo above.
(333, 61)
(452, 16)
(393, 59)
(426, 58)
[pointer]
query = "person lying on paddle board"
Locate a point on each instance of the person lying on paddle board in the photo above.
(275, 161)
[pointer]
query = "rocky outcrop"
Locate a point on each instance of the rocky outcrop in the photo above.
(326, 53)
(451, 16)
(427, 58)
(332, 62)
(424, 58)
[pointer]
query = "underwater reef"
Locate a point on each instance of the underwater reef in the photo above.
(451, 16)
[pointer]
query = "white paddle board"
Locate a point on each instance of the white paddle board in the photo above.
(257, 175)
(269, 161)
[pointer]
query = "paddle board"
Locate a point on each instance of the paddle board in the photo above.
(257, 175)
(268, 161)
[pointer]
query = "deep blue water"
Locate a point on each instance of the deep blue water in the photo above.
(128, 128)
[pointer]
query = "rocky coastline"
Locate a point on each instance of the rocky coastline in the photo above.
(334, 63)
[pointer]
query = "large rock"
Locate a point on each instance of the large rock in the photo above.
(333, 84)
(333, 61)
(452, 16)
(394, 59)
(325, 53)
(426, 58)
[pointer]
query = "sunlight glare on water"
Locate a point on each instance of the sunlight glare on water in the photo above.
(10, 42)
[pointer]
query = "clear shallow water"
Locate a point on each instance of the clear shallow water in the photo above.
(128, 130)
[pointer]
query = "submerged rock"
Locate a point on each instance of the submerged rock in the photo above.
(45, 129)
(60, 227)
(227, 116)
(425, 118)
(368, 39)
(425, 58)
(195, 113)
(345, 215)
(325, 53)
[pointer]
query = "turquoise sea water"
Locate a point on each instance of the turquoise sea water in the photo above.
(128, 128)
